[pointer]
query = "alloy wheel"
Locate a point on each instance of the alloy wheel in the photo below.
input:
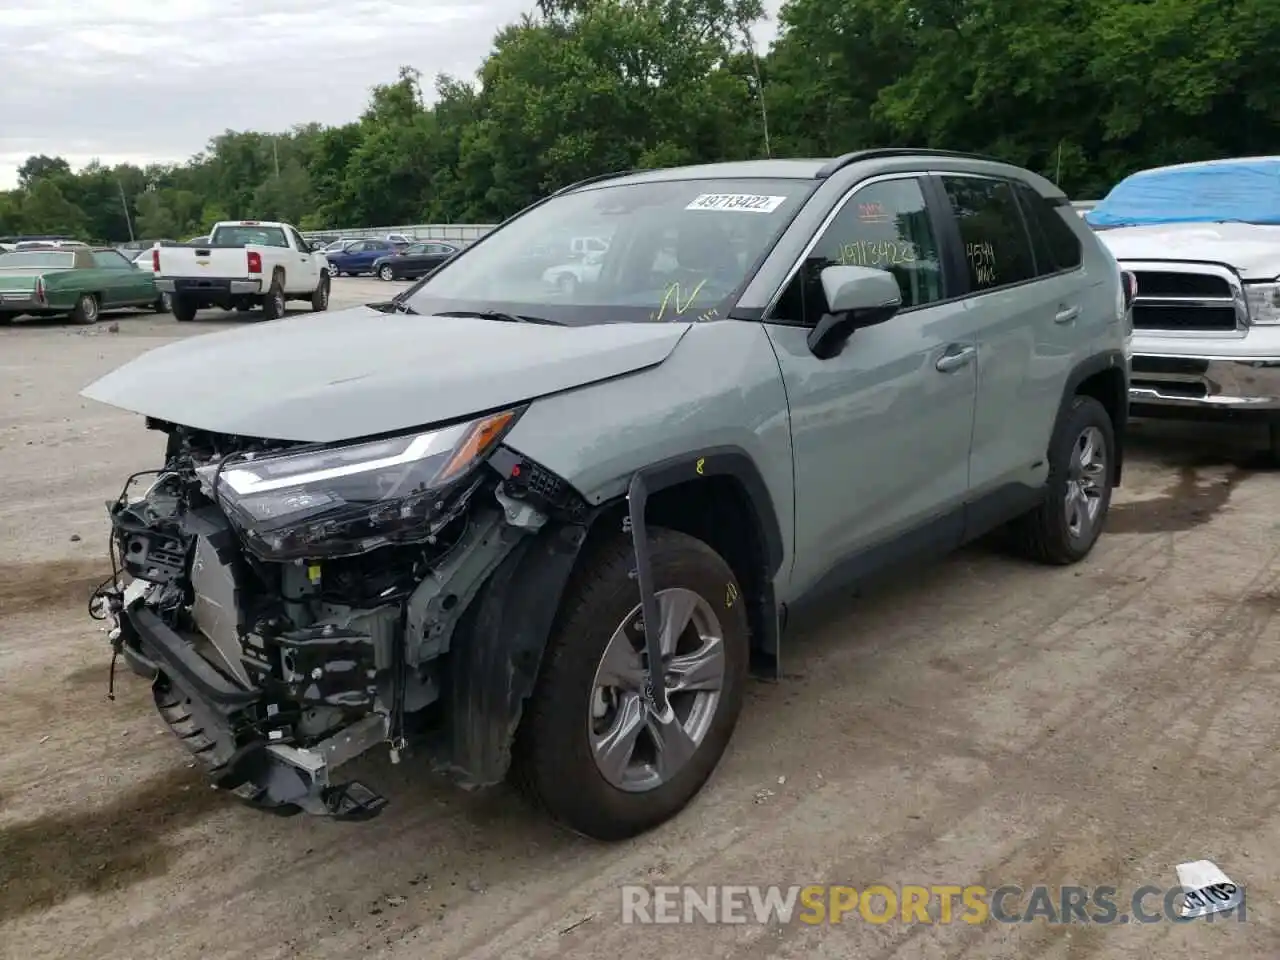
(634, 748)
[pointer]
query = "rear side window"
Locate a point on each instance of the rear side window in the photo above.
(1056, 244)
(996, 246)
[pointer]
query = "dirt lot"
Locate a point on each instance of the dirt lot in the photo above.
(981, 721)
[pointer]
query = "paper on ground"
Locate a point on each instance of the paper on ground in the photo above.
(1208, 889)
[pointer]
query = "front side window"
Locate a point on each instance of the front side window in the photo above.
(996, 246)
(885, 226)
(662, 250)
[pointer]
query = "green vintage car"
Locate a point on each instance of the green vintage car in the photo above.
(78, 281)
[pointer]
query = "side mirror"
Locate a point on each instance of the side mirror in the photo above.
(857, 297)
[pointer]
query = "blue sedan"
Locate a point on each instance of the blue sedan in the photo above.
(357, 257)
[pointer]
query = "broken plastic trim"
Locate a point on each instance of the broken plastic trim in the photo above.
(655, 691)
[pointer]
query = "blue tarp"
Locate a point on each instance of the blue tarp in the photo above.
(1242, 190)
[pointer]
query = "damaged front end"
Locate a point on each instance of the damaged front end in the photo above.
(296, 605)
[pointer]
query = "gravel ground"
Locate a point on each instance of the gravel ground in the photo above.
(979, 721)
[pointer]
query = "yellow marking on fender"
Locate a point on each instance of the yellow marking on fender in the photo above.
(702, 461)
(730, 595)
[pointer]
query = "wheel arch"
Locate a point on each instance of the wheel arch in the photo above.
(1104, 377)
(717, 495)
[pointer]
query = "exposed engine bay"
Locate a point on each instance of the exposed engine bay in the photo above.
(296, 605)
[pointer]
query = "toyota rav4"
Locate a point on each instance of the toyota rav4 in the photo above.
(517, 528)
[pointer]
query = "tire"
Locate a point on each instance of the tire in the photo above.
(333, 271)
(554, 762)
(320, 296)
(86, 309)
(386, 273)
(163, 304)
(7, 318)
(1046, 534)
(274, 303)
(184, 309)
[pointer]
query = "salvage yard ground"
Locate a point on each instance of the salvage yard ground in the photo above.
(981, 721)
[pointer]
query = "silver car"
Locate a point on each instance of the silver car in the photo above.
(543, 531)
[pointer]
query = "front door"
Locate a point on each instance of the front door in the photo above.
(881, 431)
(303, 274)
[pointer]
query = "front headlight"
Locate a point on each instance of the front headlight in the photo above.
(341, 501)
(1264, 302)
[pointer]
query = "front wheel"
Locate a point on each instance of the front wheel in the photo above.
(590, 749)
(163, 304)
(1066, 525)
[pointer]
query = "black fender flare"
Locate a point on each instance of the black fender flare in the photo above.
(494, 659)
(1108, 360)
(726, 461)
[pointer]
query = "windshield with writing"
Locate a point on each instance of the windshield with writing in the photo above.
(242, 236)
(668, 250)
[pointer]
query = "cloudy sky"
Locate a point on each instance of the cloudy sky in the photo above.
(148, 81)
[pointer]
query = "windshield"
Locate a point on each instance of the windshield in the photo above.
(240, 236)
(37, 258)
(1243, 191)
(667, 250)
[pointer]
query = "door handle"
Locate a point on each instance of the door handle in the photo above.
(1066, 314)
(954, 361)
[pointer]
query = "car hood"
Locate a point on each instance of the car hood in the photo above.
(1252, 249)
(322, 378)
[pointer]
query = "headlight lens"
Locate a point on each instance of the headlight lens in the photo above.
(1264, 302)
(342, 501)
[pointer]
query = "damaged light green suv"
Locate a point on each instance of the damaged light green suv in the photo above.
(511, 526)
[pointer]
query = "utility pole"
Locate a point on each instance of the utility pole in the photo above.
(764, 113)
(275, 152)
(124, 205)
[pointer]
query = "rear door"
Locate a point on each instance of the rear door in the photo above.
(1023, 314)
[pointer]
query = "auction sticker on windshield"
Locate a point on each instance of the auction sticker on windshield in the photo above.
(744, 202)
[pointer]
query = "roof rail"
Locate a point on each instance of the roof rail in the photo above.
(877, 153)
(595, 179)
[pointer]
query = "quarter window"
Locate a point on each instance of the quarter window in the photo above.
(996, 246)
(885, 226)
(1056, 244)
(110, 260)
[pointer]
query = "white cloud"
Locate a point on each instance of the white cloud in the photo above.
(153, 82)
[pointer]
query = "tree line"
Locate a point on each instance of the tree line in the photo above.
(1082, 91)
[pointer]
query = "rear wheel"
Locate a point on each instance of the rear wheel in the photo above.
(184, 309)
(320, 298)
(386, 273)
(273, 304)
(163, 304)
(86, 309)
(591, 750)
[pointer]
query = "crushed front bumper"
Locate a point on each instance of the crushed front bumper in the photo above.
(212, 715)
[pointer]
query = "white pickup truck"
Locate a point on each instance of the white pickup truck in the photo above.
(1203, 242)
(242, 265)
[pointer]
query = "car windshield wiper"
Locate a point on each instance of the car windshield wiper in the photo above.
(394, 305)
(499, 315)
